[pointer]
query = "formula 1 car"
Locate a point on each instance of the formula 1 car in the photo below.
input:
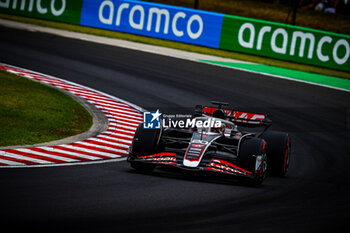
(214, 144)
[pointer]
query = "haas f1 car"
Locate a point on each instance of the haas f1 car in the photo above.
(215, 144)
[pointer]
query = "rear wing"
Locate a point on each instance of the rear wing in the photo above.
(237, 117)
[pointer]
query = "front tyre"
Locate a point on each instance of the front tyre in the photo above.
(145, 142)
(252, 157)
(278, 152)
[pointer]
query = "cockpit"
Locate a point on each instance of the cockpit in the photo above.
(212, 125)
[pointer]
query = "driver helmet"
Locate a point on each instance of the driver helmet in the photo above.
(219, 129)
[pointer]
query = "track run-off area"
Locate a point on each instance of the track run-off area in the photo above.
(123, 120)
(112, 197)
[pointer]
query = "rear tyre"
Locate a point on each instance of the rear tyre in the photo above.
(251, 150)
(145, 142)
(278, 152)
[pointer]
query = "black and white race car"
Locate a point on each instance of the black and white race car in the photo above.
(215, 144)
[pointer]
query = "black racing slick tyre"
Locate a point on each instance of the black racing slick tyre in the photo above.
(249, 151)
(278, 152)
(145, 142)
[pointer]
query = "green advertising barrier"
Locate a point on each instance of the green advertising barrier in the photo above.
(286, 42)
(67, 11)
(239, 34)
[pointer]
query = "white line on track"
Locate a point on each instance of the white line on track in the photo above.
(163, 51)
(67, 164)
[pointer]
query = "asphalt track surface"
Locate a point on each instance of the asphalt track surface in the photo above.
(111, 197)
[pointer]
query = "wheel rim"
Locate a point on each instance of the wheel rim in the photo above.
(287, 157)
(263, 168)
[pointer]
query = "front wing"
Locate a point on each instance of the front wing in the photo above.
(214, 165)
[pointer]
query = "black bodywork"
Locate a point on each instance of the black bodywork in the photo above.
(224, 150)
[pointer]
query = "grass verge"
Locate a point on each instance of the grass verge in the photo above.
(31, 112)
(181, 46)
